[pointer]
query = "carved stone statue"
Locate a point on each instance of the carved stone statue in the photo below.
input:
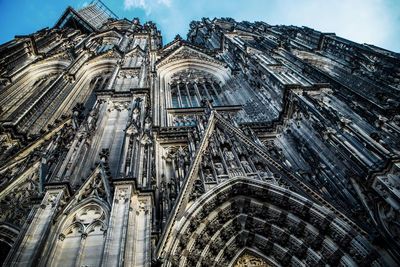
(230, 158)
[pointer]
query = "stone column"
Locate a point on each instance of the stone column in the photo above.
(123, 42)
(196, 96)
(179, 95)
(197, 92)
(139, 232)
(216, 93)
(189, 100)
(132, 167)
(110, 84)
(128, 241)
(116, 233)
(27, 251)
(206, 90)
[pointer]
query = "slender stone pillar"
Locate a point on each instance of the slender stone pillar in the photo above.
(206, 90)
(179, 95)
(110, 84)
(196, 96)
(138, 252)
(116, 233)
(216, 93)
(188, 96)
(132, 167)
(197, 92)
(128, 241)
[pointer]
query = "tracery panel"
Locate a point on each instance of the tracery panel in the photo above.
(190, 87)
(81, 239)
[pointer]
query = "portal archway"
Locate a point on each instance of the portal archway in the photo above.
(284, 227)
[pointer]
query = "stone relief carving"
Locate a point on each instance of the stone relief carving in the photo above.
(16, 205)
(142, 207)
(122, 195)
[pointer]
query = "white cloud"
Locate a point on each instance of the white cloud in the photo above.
(165, 2)
(84, 4)
(129, 4)
(364, 21)
(147, 5)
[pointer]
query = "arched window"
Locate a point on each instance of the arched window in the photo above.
(30, 91)
(190, 87)
(82, 236)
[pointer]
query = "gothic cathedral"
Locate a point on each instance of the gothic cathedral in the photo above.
(246, 144)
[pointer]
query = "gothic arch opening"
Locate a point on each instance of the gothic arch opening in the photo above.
(286, 228)
(81, 235)
(185, 80)
(323, 63)
(190, 86)
(28, 86)
(104, 42)
(94, 77)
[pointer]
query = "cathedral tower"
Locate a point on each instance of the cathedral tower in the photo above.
(246, 143)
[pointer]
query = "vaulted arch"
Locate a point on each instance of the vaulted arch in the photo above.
(28, 86)
(282, 227)
(250, 257)
(55, 63)
(189, 58)
(81, 92)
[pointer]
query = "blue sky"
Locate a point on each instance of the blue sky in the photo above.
(365, 21)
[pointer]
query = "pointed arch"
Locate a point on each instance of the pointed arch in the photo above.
(94, 75)
(80, 235)
(107, 34)
(29, 84)
(190, 58)
(16, 196)
(57, 63)
(271, 220)
(184, 77)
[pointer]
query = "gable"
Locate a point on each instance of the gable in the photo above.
(136, 50)
(187, 53)
(226, 152)
(96, 186)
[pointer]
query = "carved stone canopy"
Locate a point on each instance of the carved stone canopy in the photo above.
(192, 75)
(249, 260)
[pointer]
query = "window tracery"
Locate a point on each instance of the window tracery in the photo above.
(189, 87)
(82, 237)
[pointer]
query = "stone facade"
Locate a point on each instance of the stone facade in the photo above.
(245, 145)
